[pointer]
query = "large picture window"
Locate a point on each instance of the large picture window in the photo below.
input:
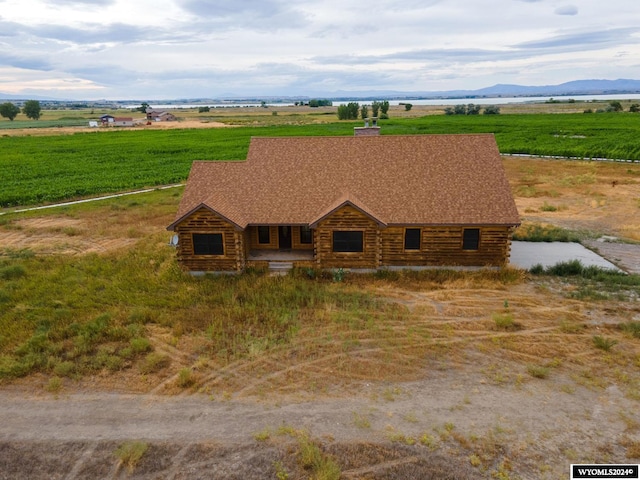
(412, 239)
(348, 241)
(471, 239)
(208, 244)
(305, 235)
(264, 235)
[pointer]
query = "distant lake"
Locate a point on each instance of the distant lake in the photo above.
(429, 101)
(501, 100)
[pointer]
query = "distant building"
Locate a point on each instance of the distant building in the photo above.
(160, 116)
(107, 119)
(123, 122)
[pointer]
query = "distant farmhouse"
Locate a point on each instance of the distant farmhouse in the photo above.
(160, 116)
(361, 202)
(111, 121)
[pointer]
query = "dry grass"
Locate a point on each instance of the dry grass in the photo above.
(598, 197)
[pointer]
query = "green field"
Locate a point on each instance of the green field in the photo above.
(42, 169)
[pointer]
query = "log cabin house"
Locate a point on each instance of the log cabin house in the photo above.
(361, 202)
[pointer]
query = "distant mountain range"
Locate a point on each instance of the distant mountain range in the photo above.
(6, 96)
(577, 87)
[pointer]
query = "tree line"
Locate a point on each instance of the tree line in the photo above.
(352, 110)
(31, 109)
(471, 109)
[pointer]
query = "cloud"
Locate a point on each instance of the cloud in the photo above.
(261, 14)
(579, 41)
(98, 3)
(93, 33)
(567, 10)
(422, 56)
(25, 62)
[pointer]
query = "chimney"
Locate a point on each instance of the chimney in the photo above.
(368, 131)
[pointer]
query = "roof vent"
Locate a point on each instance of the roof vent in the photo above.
(370, 128)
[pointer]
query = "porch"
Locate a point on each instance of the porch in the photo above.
(279, 262)
(286, 255)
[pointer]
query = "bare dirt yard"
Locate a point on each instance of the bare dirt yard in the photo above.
(476, 379)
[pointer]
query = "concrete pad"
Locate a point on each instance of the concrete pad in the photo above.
(527, 254)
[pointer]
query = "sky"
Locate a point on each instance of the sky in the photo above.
(174, 49)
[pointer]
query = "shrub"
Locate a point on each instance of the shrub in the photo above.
(632, 327)
(154, 362)
(564, 269)
(538, 371)
(504, 321)
(64, 369)
(130, 453)
(140, 345)
(537, 269)
(185, 378)
(12, 272)
(312, 458)
(338, 275)
(545, 233)
(604, 343)
(491, 110)
(54, 385)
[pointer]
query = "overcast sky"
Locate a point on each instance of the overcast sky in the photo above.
(168, 49)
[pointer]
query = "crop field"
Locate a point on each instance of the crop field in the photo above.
(44, 169)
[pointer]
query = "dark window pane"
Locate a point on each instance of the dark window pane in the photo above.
(471, 239)
(412, 239)
(208, 244)
(264, 235)
(347, 242)
(305, 235)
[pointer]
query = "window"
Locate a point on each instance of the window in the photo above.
(264, 235)
(348, 241)
(208, 244)
(412, 239)
(305, 235)
(471, 239)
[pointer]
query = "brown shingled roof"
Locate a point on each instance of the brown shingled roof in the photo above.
(395, 179)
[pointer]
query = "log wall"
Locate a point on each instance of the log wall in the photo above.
(439, 245)
(253, 239)
(347, 218)
(295, 240)
(442, 246)
(205, 221)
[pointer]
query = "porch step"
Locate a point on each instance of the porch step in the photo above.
(280, 268)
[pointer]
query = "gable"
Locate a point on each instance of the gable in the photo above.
(346, 204)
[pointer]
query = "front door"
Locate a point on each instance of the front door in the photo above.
(284, 237)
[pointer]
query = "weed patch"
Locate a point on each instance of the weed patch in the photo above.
(594, 283)
(505, 321)
(538, 371)
(631, 327)
(604, 343)
(545, 233)
(154, 362)
(130, 453)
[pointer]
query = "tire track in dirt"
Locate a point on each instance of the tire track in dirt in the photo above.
(85, 457)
